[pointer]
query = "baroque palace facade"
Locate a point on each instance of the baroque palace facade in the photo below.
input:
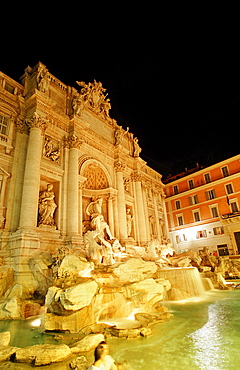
(60, 151)
(203, 208)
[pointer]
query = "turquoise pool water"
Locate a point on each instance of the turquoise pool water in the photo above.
(201, 335)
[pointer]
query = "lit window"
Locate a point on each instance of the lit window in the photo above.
(201, 234)
(180, 220)
(178, 204)
(218, 230)
(3, 125)
(229, 188)
(175, 189)
(196, 216)
(234, 206)
(214, 211)
(193, 199)
(225, 172)
(191, 184)
(210, 194)
(207, 178)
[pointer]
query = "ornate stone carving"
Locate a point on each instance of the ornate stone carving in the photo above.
(42, 78)
(126, 182)
(136, 176)
(21, 126)
(129, 218)
(99, 240)
(72, 141)
(119, 134)
(46, 207)
(37, 121)
(51, 149)
(119, 166)
(136, 148)
(92, 96)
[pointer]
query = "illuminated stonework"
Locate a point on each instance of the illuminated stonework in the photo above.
(61, 140)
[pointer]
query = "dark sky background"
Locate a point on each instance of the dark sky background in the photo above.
(179, 94)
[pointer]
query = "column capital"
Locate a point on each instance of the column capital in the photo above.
(136, 176)
(37, 121)
(21, 126)
(119, 166)
(72, 141)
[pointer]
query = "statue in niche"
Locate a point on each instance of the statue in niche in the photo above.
(99, 241)
(42, 79)
(129, 222)
(46, 207)
(136, 148)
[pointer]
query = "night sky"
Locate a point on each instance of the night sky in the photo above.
(180, 95)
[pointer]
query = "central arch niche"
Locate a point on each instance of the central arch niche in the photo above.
(96, 178)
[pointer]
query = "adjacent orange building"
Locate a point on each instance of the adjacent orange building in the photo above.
(203, 208)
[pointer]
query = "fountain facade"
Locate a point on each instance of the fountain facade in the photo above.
(62, 154)
(84, 238)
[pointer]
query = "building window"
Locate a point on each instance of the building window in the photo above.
(180, 220)
(193, 199)
(178, 204)
(9, 88)
(190, 184)
(181, 238)
(225, 172)
(3, 125)
(210, 194)
(175, 189)
(234, 206)
(229, 188)
(196, 216)
(214, 211)
(207, 178)
(218, 230)
(201, 234)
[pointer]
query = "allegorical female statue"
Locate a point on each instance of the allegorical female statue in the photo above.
(46, 206)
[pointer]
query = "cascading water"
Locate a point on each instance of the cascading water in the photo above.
(185, 282)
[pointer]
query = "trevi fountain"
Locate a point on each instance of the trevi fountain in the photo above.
(85, 254)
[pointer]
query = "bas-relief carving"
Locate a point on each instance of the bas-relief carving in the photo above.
(47, 207)
(51, 149)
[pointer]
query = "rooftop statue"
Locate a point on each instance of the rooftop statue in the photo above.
(92, 96)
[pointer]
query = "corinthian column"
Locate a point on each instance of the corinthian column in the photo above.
(141, 218)
(121, 203)
(29, 205)
(73, 143)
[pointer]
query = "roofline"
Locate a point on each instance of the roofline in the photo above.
(204, 170)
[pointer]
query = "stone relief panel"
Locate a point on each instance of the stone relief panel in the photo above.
(51, 149)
